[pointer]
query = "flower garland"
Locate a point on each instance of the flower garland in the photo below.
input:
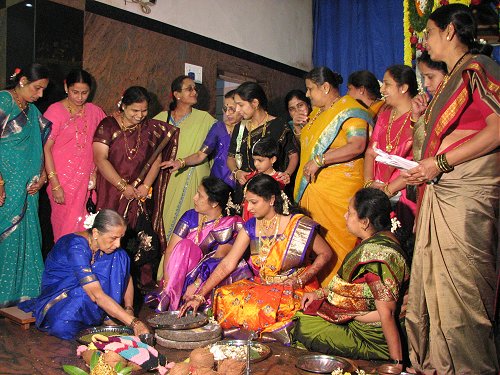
(414, 22)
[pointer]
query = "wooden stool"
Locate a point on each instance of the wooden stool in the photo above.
(18, 316)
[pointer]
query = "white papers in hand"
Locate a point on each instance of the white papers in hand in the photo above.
(394, 160)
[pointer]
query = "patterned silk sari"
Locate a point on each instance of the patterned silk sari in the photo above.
(194, 255)
(454, 283)
(375, 270)
(327, 198)
(264, 304)
(22, 134)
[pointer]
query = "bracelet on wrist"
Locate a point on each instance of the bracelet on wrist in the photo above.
(134, 322)
(368, 183)
(182, 161)
(56, 188)
(2, 182)
(442, 163)
(121, 185)
(129, 308)
(387, 191)
(320, 293)
(51, 175)
(199, 298)
(147, 186)
(319, 160)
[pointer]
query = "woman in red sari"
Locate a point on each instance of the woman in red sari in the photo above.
(451, 302)
(128, 149)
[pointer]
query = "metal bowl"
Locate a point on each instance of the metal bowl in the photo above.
(263, 351)
(103, 330)
(179, 323)
(321, 364)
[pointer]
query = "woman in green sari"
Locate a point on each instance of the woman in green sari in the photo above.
(194, 126)
(356, 316)
(22, 134)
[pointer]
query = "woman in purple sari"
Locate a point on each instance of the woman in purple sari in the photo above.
(202, 237)
(86, 278)
(216, 144)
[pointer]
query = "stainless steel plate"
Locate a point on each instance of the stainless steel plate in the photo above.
(259, 352)
(321, 364)
(170, 320)
(85, 336)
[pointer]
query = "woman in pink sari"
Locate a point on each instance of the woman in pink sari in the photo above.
(68, 153)
(201, 238)
(393, 133)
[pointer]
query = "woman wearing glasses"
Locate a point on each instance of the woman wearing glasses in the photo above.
(194, 126)
(216, 144)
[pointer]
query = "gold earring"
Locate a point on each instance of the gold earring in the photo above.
(448, 37)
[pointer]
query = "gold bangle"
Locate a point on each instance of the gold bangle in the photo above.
(234, 172)
(2, 182)
(200, 298)
(320, 293)
(197, 283)
(56, 188)
(182, 161)
(387, 191)
(368, 183)
(300, 282)
(121, 185)
(51, 174)
(147, 186)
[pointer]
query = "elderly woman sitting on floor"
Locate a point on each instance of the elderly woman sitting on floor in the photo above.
(86, 277)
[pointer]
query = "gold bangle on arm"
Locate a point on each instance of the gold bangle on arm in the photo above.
(199, 298)
(182, 161)
(147, 186)
(320, 293)
(51, 175)
(387, 191)
(56, 188)
(121, 185)
(2, 182)
(134, 322)
(368, 183)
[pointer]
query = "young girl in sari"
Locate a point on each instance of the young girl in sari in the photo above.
(69, 160)
(280, 245)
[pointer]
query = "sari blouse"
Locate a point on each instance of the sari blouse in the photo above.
(209, 237)
(375, 270)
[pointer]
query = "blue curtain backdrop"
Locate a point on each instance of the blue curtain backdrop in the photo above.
(352, 35)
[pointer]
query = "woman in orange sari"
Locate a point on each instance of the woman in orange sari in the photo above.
(451, 302)
(279, 244)
(331, 161)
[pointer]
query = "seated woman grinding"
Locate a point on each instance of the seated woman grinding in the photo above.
(201, 238)
(279, 244)
(86, 277)
(365, 297)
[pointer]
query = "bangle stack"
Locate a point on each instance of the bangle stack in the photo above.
(182, 161)
(233, 172)
(319, 160)
(56, 188)
(121, 185)
(300, 282)
(200, 298)
(320, 293)
(368, 183)
(442, 163)
(387, 191)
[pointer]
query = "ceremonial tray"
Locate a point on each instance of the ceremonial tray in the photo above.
(321, 364)
(85, 336)
(237, 349)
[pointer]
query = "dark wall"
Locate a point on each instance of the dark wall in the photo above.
(120, 55)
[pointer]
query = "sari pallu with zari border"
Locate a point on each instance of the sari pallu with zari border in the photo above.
(22, 134)
(454, 274)
(264, 304)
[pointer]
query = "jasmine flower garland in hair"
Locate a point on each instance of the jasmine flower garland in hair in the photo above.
(89, 220)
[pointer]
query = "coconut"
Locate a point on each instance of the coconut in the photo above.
(201, 358)
(231, 367)
(180, 368)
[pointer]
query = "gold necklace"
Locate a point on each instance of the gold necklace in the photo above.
(89, 239)
(131, 152)
(202, 223)
(266, 243)
(18, 101)
(79, 133)
(440, 89)
(389, 144)
(249, 135)
(320, 112)
(268, 224)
